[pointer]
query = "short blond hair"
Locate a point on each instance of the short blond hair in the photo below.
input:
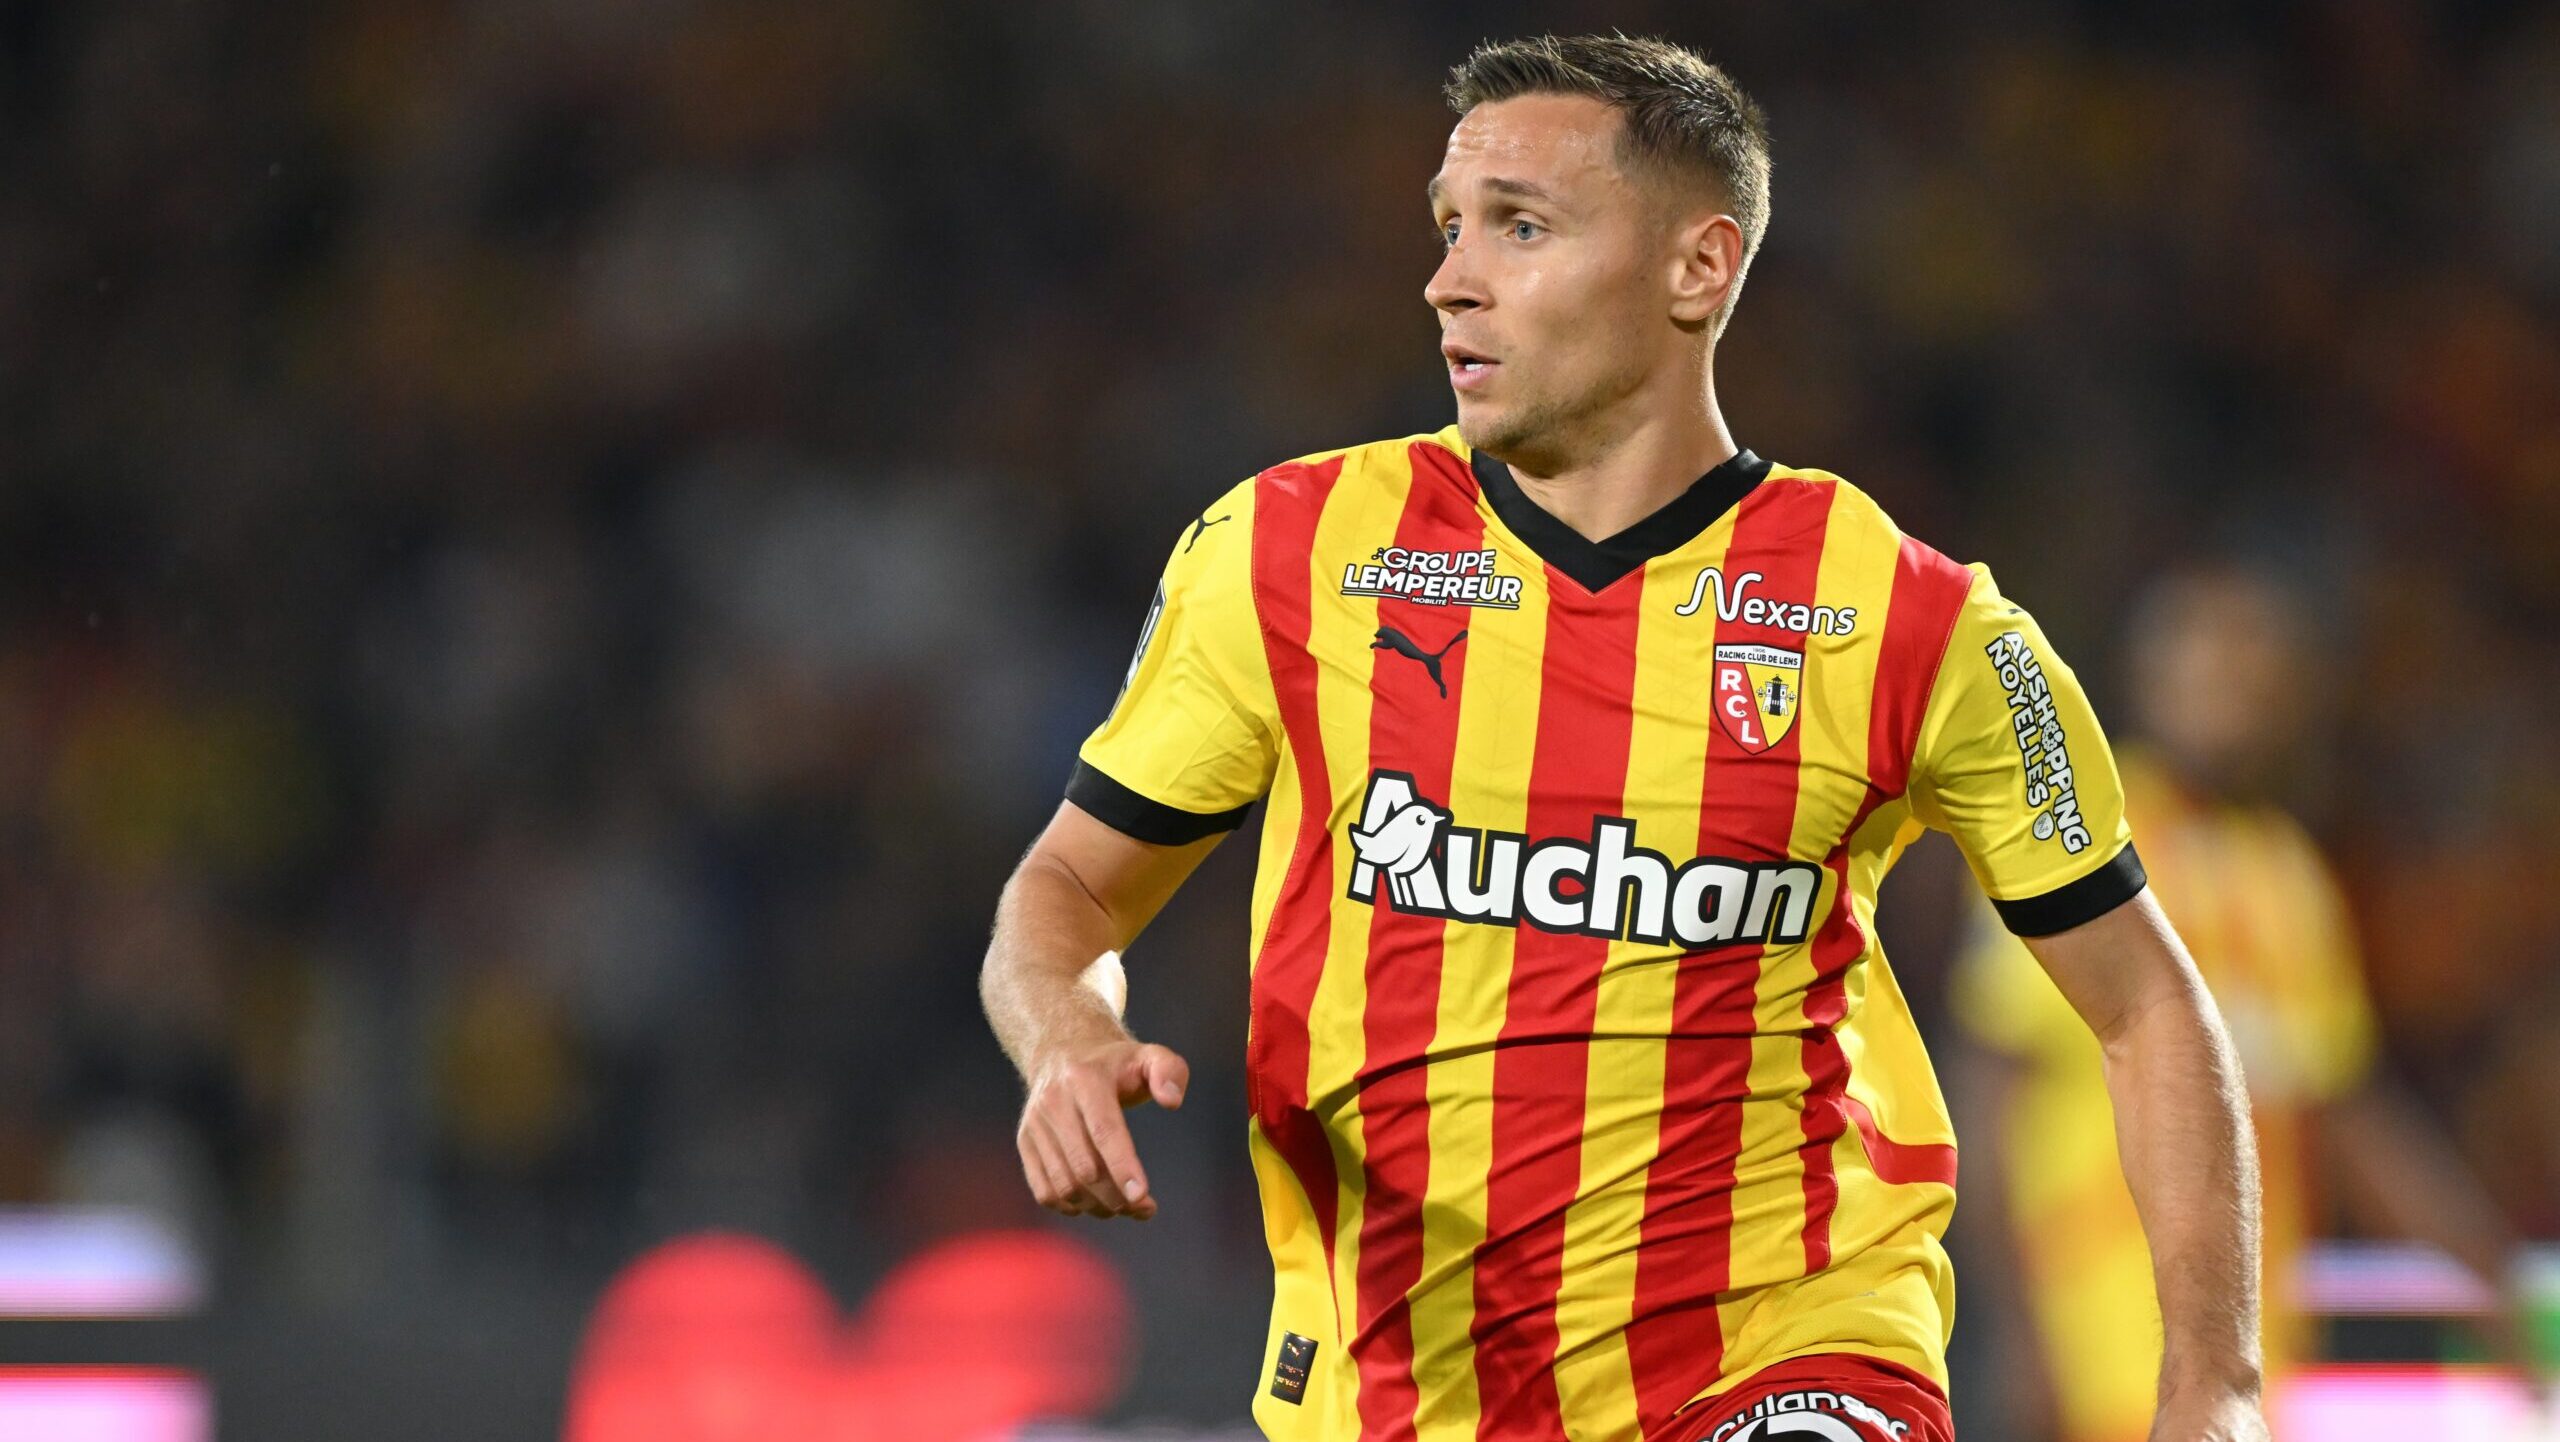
(1683, 118)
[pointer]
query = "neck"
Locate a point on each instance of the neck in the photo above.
(1632, 473)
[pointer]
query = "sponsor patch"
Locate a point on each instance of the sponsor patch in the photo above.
(1603, 885)
(1146, 633)
(1736, 603)
(2044, 750)
(1433, 578)
(1808, 1414)
(1289, 1370)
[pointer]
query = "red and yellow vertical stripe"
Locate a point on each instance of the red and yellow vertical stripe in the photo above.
(1525, 1184)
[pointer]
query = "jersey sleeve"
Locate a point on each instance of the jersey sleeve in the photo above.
(2012, 764)
(1190, 743)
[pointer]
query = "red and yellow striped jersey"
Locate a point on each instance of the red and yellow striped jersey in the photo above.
(1579, 1086)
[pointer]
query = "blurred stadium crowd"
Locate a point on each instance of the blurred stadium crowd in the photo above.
(555, 553)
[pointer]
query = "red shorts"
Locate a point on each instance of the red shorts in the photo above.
(1833, 1398)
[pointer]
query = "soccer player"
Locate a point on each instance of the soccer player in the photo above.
(1581, 1098)
(2218, 659)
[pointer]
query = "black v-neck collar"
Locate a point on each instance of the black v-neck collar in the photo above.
(1594, 565)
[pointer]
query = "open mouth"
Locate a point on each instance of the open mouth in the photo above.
(1465, 363)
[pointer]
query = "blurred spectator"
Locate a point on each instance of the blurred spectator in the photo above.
(2218, 658)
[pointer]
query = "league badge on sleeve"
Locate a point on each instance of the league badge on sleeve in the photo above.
(1758, 690)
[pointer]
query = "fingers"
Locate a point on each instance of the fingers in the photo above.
(1090, 1190)
(1076, 1148)
(1166, 1076)
(1123, 1180)
(1052, 1185)
(1097, 1193)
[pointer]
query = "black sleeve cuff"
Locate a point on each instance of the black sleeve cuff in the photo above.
(2074, 902)
(1145, 818)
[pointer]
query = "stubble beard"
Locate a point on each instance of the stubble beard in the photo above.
(1543, 435)
(1532, 434)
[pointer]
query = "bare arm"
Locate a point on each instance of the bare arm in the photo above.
(1053, 991)
(2182, 1131)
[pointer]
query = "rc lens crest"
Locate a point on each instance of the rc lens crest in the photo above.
(1758, 691)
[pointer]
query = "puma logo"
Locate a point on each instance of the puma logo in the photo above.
(1202, 524)
(1391, 639)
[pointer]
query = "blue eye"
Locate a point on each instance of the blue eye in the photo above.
(1520, 226)
(1449, 233)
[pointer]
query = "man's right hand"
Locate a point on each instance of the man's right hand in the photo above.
(1076, 1150)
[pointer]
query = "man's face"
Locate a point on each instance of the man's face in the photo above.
(1553, 289)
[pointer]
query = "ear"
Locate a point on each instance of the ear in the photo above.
(1706, 259)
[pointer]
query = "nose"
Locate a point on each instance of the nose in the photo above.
(1455, 286)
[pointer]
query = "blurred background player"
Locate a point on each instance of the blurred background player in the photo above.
(2220, 664)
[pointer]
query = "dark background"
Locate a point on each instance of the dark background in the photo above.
(553, 554)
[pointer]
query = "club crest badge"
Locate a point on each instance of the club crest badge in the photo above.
(1758, 691)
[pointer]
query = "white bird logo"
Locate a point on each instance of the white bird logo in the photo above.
(1401, 845)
